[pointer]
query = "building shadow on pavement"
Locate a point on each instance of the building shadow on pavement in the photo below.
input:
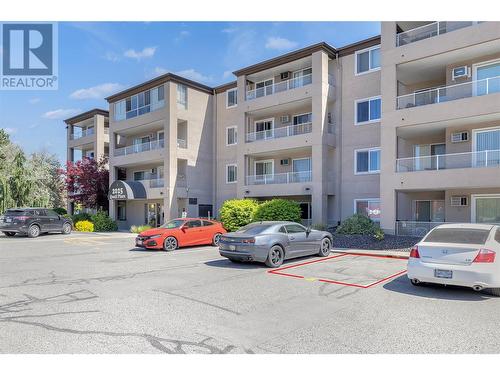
(403, 285)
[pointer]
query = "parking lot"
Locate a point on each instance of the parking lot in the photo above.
(96, 293)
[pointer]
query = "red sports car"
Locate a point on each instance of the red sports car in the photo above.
(181, 232)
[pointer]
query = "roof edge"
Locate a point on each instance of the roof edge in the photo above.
(86, 115)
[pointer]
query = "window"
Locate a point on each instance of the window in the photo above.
(231, 173)
(193, 224)
(121, 210)
(295, 228)
(304, 118)
(207, 223)
(231, 135)
(282, 229)
(182, 96)
(231, 98)
(193, 201)
(367, 161)
(120, 110)
(368, 207)
(368, 110)
(139, 175)
(140, 104)
(205, 210)
(458, 235)
(367, 60)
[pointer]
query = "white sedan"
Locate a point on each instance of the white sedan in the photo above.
(458, 254)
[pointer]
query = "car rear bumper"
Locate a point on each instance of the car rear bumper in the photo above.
(244, 252)
(486, 275)
(16, 228)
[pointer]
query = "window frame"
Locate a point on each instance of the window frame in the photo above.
(370, 149)
(371, 98)
(235, 135)
(370, 70)
(356, 200)
(179, 103)
(235, 89)
(227, 173)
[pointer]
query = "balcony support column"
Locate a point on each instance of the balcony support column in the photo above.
(98, 136)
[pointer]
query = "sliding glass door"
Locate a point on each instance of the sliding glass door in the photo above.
(488, 77)
(487, 147)
(486, 209)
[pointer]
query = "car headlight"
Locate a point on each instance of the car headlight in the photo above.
(155, 236)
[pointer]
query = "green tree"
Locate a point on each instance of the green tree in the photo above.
(19, 183)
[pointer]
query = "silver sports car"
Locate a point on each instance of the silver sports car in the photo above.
(272, 242)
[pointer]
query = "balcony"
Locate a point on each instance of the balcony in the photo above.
(478, 159)
(279, 178)
(285, 131)
(415, 228)
(430, 30)
(279, 87)
(141, 147)
(156, 183)
(82, 134)
(181, 143)
(448, 93)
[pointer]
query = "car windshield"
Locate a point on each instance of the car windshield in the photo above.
(15, 212)
(172, 224)
(458, 235)
(253, 229)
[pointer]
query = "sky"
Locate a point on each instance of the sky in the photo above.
(101, 58)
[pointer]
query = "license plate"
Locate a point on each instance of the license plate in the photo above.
(8, 220)
(138, 242)
(443, 274)
(232, 247)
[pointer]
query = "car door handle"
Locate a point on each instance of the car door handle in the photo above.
(292, 238)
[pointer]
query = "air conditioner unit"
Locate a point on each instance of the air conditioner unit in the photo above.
(285, 119)
(459, 201)
(459, 137)
(285, 75)
(285, 162)
(459, 72)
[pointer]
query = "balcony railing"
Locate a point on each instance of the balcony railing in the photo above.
(415, 228)
(279, 178)
(141, 147)
(279, 87)
(477, 159)
(181, 143)
(448, 93)
(430, 30)
(285, 131)
(157, 183)
(82, 134)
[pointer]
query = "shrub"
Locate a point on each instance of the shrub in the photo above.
(60, 211)
(379, 234)
(81, 216)
(236, 213)
(320, 227)
(84, 226)
(103, 223)
(139, 228)
(278, 209)
(357, 224)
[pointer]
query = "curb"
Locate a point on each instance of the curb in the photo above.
(384, 253)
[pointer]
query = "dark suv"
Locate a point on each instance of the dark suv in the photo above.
(33, 221)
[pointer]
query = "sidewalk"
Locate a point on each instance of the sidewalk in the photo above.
(400, 253)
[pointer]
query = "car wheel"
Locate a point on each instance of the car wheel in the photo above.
(10, 234)
(216, 239)
(493, 291)
(325, 248)
(170, 244)
(33, 231)
(416, 282)
(275, 257)
(66, 229)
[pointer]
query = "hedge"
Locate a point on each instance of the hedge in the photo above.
(236, 213)
(278, 210)
(357, 224)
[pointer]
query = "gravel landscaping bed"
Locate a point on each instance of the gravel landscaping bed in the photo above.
(366, 242)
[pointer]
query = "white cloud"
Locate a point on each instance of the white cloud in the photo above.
(59, 114)
(182, 35)
(139, 55)
(227, 74)
(96, 92)
(111, 56)
(229, 30)
(34, 100)
(158, 71)
(10, 130)
(280, 43)
(194, 75)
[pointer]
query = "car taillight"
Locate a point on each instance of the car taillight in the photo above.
(248, 240)
(484, 256)
(414, 252)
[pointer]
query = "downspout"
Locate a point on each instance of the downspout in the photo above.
(339, 136)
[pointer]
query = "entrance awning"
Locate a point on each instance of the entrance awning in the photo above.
(125, 190)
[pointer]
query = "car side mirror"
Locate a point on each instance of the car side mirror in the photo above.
(308, 230)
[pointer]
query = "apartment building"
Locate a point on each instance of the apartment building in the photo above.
(403, 127)
(161, 160)
(87, 136)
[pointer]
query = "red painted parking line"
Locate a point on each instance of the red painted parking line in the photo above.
(277, 271)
